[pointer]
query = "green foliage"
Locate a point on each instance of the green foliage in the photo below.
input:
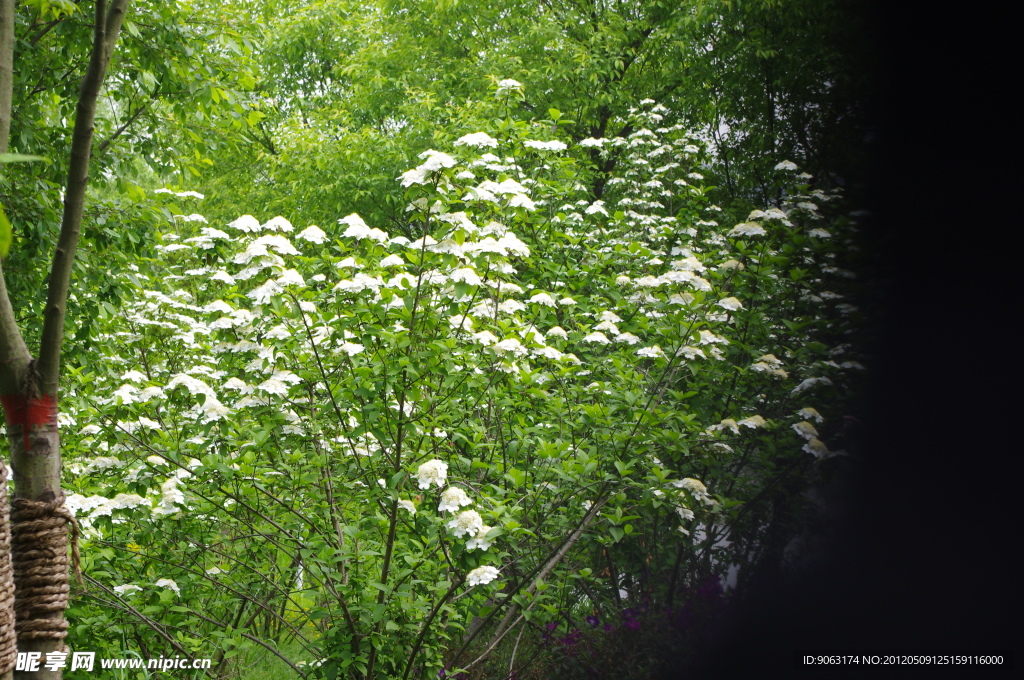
(560, 311)
(571, 367)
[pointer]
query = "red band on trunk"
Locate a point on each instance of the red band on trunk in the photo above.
(19, 410)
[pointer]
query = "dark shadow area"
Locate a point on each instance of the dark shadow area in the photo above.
(925, 558)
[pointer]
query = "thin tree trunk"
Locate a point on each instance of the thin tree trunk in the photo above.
(8, 346)
(29, 388)
(6, 70)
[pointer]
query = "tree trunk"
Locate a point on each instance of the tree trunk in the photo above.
(8, 642)
(29, 388)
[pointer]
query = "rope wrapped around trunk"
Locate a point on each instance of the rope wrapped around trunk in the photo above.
(39, 553)
(8, 637)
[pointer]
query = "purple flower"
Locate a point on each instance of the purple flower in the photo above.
(593, 621)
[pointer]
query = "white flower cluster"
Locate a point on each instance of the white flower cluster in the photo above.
(481, 576)
(466, 523)
(435, 160)
(432, 472)
(452, 499)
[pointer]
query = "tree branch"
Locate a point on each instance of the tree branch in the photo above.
(108, 25)
(119, 131)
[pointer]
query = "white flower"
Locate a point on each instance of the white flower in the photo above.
(193, 385)
(805, 430)
(553, 145)
(511, 346)
(358, 283)
(548, 353)
(566, 301)
(730, 303)
(480, 540)
(279, 332)
(509, 84)
(180, 194)
(432, 472)
(264, 293)
(351, 348)
(290, 277)
(223, 277)
(452, 499)
(653, 351)
(511, 306)
(246, 223)
(697, 490)
(591, 142)
(597, 337)
(610, 316)
(392, 261)
(522, 201)
(816, 447)
(402, 280)
(467, 275)
(277, 224)
(407, 505)
(747, 229)
(436, 160)
(692, 485)
(810, 414)
(213, 571)
(467, 523)
(647, 282)
(622, 280)
(707, 337)
(727, 424)
(558, 332)
(273, 386)
(127, 393)
(542, 299)
(485, 338)
(608, 326)
(819, 233)
(147, 423)
(732, 264)
(168, 583)
(691, 352)
(753, 422)
(477, 139)
(126, 588)
(481, 576)
(786, 165)
(627, 338)
(809, 383)
(357, 228)
(313, 234)
(150, 393)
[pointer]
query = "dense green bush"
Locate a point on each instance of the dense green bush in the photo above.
(523, 409)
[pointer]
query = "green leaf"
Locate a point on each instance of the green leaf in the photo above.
(6, 235)
(19, 158)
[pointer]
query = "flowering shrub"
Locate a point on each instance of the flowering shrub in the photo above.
(387, 447)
